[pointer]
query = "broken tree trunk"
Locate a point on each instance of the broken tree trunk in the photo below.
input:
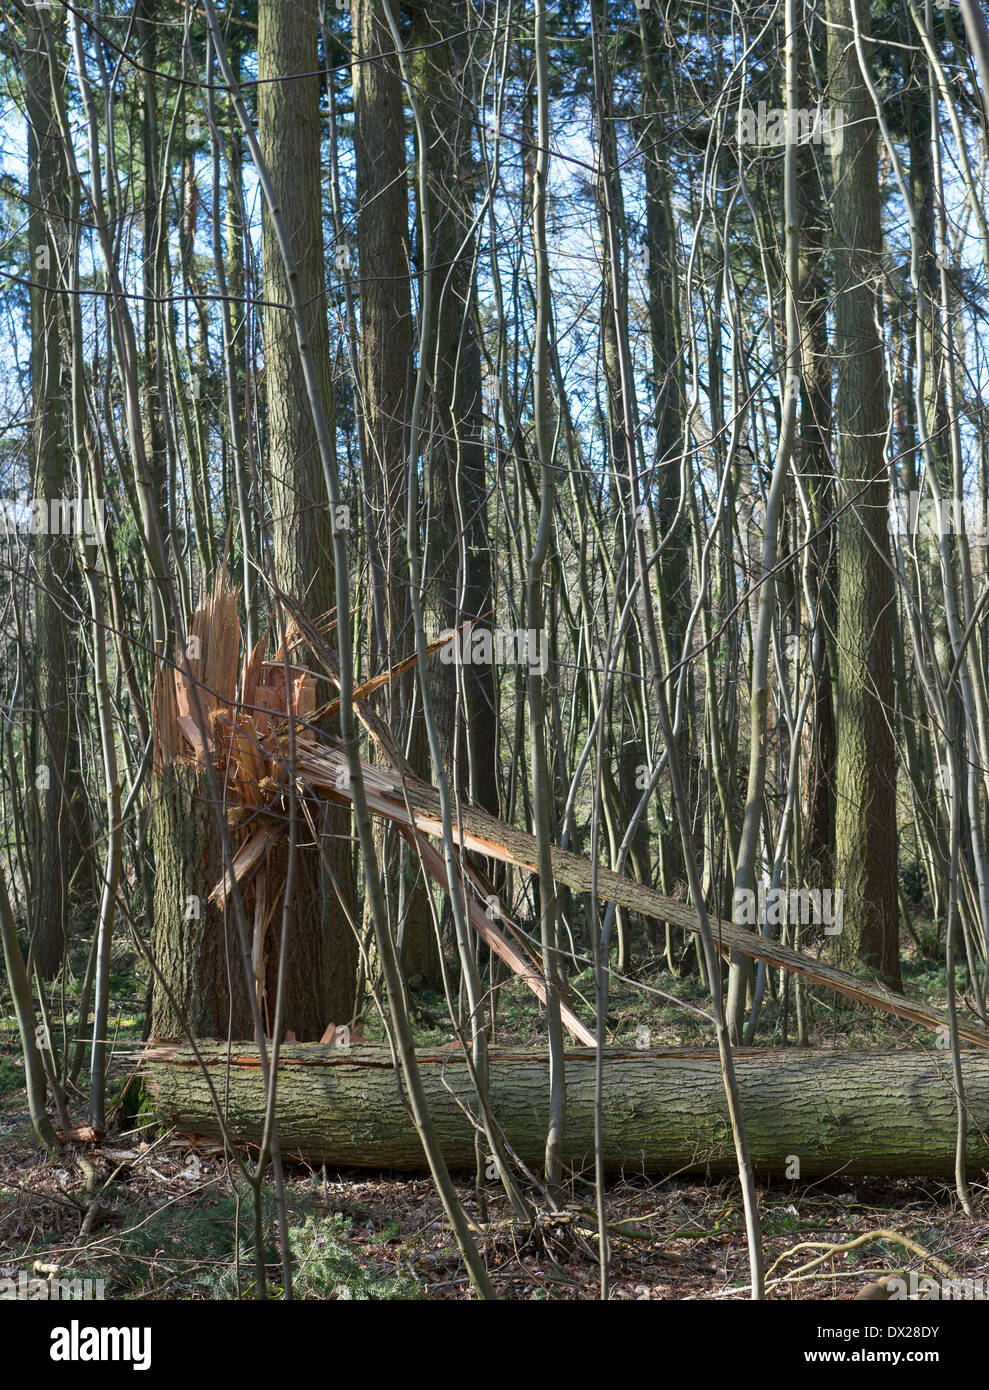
(212, 706)
(197, 983)
(201, 711)
(842, 1113)
(410, 802)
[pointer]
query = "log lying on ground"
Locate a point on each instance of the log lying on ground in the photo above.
(842, 1113)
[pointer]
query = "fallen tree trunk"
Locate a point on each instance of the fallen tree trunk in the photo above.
(842, 1113)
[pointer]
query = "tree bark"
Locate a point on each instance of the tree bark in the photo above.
(289, 134)
(386, 370)
(672, 570)
(815, 464)
(197, 981)
(55, 772)
(460, 550)
(865, 823)
(847, 1113)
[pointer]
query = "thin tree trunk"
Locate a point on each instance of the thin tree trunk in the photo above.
(54, 773)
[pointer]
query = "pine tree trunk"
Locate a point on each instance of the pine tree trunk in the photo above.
(661, 272)
(816, 467)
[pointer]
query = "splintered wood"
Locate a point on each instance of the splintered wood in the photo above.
(204, 708)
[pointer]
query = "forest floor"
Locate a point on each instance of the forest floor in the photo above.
(166, 1215)
(156, 1217)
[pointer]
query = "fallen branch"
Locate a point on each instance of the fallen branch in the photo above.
(479, 831)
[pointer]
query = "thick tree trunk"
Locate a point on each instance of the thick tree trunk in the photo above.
(847, 1113)
(195, 953)
(199, 977)
(673, 568)
(386, 355)
(458, 560)
(460, 549)
(815, 464)
(288, 129)
(289, 132)
(865, 825)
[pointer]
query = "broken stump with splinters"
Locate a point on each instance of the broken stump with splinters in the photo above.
(214, 713)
